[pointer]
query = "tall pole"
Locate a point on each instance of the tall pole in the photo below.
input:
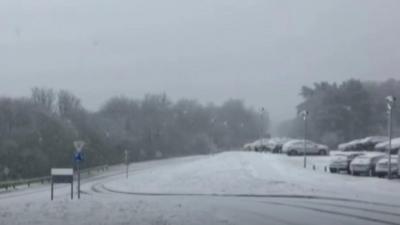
(304, 114)
(390, 144)
(78, 158)
(305, 142)
(79, 179)
(262, 128)
(127, 163)
(351, 123)
(390, 103)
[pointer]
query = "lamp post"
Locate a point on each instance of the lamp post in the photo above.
(390, 100)
(304, 115)
(351, 123)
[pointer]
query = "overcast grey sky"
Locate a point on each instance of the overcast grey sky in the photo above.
(260, 51)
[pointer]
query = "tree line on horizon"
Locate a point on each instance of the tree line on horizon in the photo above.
(37, 132)
(342, 112)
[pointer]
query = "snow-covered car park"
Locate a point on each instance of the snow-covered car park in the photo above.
(286, 146)
(366, 156)
(233, 187)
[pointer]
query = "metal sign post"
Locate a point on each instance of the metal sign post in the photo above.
(6, 171)
(127, 163)
(79, 178)
(78, 158)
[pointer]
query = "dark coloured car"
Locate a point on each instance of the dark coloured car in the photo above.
(341, 162)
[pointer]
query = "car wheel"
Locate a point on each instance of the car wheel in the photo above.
(322, 152)
(333, 170)
(292, 152)
(371, 173)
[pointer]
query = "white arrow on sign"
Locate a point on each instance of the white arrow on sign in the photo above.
(79, 145)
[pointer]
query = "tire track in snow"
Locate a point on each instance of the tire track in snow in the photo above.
(107, 176)
(357, 208)
(294, 196)
(332, 212)
(291, 205)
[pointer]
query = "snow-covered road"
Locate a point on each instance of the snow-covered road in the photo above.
(226, 188)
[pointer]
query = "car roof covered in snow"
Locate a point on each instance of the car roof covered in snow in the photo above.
(373, 139)
(385, 145)
(367, 140)
(347, 153)
(295, 141)
(349, 144)
(393, 158)
(278, 141)
(371, 154)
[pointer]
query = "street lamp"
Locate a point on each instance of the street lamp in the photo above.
(304, 115)
(390, 100)
(351, 122)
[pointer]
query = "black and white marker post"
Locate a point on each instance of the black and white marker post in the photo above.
(78, 157)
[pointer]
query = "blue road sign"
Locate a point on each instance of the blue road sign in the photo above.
(78, 156)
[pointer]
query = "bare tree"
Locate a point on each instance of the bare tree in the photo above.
(44, 97)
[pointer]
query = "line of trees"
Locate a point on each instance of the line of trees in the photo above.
(346, 111)
(37, 133)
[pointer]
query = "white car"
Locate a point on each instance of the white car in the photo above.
(296, 147)
(365, 164)
(382, 166)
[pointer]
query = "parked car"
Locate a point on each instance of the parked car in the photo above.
(257, 146)
(266, 145)
(384, 146)
(353, 145)
(277, 143)
(341, 161)
(365, 164)
(261, 145)
(296, 147)
(382, 166)
(248, 147)
(364, 144)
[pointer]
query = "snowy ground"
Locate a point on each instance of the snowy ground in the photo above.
(226, 188)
